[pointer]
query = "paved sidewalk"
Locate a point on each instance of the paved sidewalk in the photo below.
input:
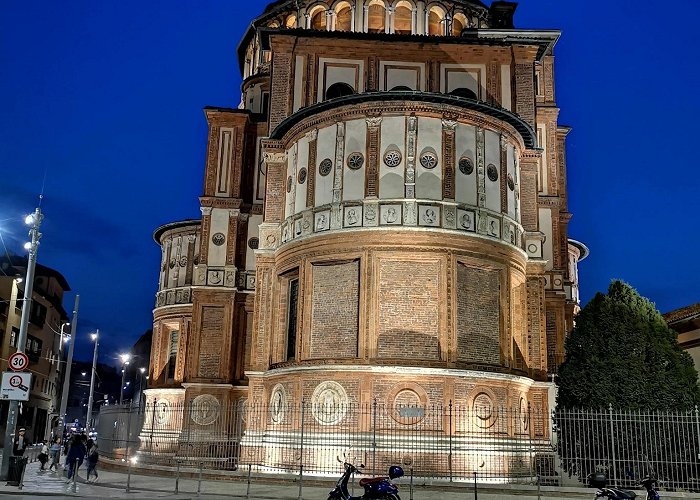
(113, 485)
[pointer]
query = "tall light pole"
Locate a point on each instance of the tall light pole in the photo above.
(34, 221)
(125, 362)
(69, 364)
(95, 338)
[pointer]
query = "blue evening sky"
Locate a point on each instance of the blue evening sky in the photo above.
(103, 100)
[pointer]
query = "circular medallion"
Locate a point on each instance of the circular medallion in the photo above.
(290, 181)
(428, 160)
(278, 400)
(392, 158)
(325, 167)
(205, 409)
(532, 248)
(253, 243)
(483, 410)
(301, 175)
(355, 161)
(466, 166)
(511, 183)
(329, 403)
(218, 239)
(492, 172)
(161, 411)
(183, 261)
(172, 263)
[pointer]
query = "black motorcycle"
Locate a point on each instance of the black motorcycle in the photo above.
(649, 484)
(379, 488)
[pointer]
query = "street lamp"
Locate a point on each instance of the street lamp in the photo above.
(125, 362)
(95, 338)
(33, 220)
(142, 370)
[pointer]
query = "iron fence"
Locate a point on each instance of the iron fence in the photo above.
(451, 443)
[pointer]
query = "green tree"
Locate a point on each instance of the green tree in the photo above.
(623, 372)
(622, 353)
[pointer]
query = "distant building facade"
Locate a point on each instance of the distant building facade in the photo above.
(384, 218)
(40, 414)
(686, 321)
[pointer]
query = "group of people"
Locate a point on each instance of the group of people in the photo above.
(77, 449)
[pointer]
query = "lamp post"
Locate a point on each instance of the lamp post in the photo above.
(125, 362)
(142, 370)
(34, 221)
(88, 420)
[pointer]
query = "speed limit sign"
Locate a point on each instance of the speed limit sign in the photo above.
(18, 362)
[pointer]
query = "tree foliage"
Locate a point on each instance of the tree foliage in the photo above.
(622, 353)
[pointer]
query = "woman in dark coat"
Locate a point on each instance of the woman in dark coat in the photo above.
(75, 456)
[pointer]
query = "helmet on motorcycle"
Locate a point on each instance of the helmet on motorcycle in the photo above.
(395, 471)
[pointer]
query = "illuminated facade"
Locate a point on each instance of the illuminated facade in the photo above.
(384, 218)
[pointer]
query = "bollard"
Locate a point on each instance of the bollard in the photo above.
(247, 489)
(475, 488)
(177, 478)
(410, 485)
(301, 476)
(199, 481)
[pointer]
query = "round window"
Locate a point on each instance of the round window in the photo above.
(392, 158)
(324, 168)
(355, 161)
(492, 172)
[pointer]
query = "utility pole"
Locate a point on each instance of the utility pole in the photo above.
(34, 221)
(69, 363)
(96, 339)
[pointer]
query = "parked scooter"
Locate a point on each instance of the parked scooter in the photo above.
(649, 484)
(379, 488)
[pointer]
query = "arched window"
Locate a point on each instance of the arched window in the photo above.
(291, 21)
(343, 20)
(376, 16)
(458, 24)
(403, 18)
(436, 22)
(464, 92)
(401, 88)
(318, 19)
(339, 90)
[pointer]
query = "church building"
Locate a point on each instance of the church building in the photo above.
(383, 219)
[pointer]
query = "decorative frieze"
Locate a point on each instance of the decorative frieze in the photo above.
(339, 156)
(411, 139)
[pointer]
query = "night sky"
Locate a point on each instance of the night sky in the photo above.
(101, 104)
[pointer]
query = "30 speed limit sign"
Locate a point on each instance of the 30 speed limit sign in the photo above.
(18, 362)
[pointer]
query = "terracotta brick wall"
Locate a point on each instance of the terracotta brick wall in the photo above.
(478, 312)
(211, 340)
(335, 307)
(409, 309)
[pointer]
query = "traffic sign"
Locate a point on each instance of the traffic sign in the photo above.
(18, 362)
(15, 386)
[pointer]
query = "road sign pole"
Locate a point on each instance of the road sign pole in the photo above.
(34, 221)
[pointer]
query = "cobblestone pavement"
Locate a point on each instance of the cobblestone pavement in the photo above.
(113, 485)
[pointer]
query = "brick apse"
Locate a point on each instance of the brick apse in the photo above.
(383, 219)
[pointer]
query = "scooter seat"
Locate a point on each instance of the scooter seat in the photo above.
(365, 481)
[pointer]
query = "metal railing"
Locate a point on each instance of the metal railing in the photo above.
(450, 442)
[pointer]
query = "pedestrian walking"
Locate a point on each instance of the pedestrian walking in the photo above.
(75, 457)
(55, 453)
(20, 444)
(43, 456)
(93, 456)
